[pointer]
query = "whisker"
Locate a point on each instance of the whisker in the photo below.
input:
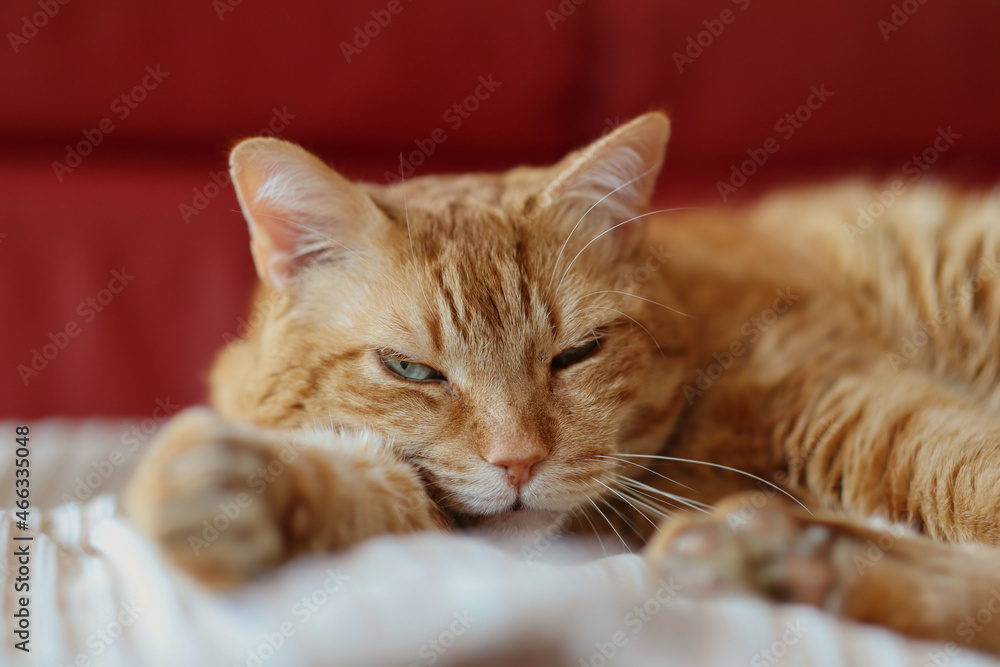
(625, 478)
(597, 534)
(614, 227)
(724, 467)
(673, 496)
(624, 544)
(625, 519)
(638, 465)
(686, 502)
(627, 500)
(658, 511)
(656, 303)
(655, 342)
(562, 248)
(662, 497)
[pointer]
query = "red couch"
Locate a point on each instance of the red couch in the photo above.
(123, 259)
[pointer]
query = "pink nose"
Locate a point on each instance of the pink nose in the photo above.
(517, 466)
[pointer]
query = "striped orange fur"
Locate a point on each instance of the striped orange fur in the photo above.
(853, 366)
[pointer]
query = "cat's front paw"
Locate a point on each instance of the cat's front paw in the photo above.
(203, 495)
(771, 551)
(892, 577)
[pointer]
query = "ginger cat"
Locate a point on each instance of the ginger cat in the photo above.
(503, 351)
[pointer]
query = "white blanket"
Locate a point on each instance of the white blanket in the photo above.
(101, 595)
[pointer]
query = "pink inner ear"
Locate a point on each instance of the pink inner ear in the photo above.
(275, 238)
(294, 205)
(633, 152)
(274, 267)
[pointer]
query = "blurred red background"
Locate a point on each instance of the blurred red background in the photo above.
(117, 116)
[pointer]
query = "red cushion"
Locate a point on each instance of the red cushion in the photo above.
(727, 92)
(226, 73)
(566, 71)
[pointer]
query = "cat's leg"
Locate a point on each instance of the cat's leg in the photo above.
(226, 501)
(888, 577)
(905, 447)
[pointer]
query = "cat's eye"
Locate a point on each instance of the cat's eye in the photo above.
(410, 370)
(575, 354)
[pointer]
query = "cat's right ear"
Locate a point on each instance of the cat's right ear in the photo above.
(619, 170)
(296, 206)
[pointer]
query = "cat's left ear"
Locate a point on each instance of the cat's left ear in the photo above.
(619, 170)
(297, 207)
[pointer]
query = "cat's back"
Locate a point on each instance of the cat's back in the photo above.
(920, 263)
(911, 271)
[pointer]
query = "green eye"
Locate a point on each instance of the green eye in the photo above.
(410, 370)
(575, 354)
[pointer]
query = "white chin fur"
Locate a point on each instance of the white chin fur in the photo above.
(514, 525)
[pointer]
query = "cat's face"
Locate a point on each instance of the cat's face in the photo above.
(469, 320)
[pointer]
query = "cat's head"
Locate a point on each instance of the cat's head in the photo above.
(485, 324)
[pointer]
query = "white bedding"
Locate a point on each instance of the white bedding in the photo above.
(100, 595)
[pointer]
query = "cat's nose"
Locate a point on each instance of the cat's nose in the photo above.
(517, 464)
